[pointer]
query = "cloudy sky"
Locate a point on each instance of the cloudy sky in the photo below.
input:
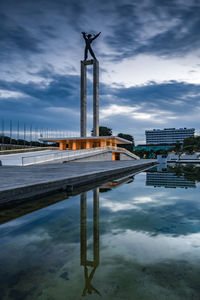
(148, 53)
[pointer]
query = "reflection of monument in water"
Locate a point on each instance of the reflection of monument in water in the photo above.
(167, 179)
(90, 266)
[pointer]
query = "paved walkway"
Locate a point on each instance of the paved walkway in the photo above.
(17, 179)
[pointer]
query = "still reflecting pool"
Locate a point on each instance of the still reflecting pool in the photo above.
(134, 238)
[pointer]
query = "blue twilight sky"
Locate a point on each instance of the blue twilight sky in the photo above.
(149, 63)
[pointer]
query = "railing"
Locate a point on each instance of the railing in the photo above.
(124, 150)
(70, 155)
(27, 149)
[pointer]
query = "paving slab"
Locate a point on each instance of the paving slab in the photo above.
(30, 181)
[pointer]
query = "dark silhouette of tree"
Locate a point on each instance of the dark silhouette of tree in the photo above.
(129, 138)
(177, 147)
(104, 131)
(191, 144)
(126, 137)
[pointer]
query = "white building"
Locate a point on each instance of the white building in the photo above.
(168, 135)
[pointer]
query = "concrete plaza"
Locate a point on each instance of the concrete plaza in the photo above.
(28, 182)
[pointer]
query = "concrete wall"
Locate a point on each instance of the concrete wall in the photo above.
(107, 156)
(124, 156)
(99, 157)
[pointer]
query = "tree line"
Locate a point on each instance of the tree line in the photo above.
(189, 146)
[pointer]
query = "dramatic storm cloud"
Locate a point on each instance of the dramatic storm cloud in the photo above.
(148, 53)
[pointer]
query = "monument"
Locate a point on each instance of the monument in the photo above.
(95, 141)
(84, 63)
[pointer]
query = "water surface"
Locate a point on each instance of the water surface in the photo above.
(135, 240)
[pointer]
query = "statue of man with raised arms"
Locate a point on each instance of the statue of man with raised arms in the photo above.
(89, 38)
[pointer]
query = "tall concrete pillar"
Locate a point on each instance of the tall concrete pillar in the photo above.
(96, 98)
(83, 99)
(83, 121)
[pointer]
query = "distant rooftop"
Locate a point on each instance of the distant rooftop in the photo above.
(55, 139)
(169, 129)
(155, 145)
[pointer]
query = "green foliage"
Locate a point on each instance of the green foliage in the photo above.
(150, 153)
(190, 148)
(177, 147)
(144, 153)
(129, 138)
(104, 131)
(126, 137)
(190, 172)
(191, 144)
(161, 152)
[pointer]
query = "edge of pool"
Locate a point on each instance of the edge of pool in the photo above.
(32, 191)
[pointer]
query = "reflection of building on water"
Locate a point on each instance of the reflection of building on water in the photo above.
(168, 180)
(90, 266)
